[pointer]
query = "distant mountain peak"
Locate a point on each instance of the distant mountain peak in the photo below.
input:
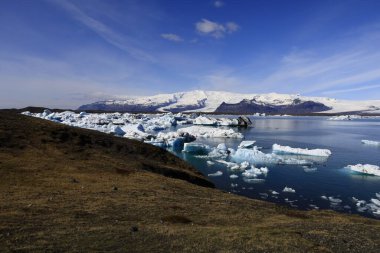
(219, 101)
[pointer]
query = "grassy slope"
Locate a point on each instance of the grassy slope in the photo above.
(69, 189)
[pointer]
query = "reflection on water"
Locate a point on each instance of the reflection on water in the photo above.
(326, 177)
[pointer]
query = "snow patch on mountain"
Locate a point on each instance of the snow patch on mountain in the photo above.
(209, 101)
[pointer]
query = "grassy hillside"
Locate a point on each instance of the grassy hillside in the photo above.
(76, 190)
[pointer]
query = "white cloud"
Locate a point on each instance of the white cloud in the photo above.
(172, 37)
(112, 37)
(214, 29)
(232, 27)
(218, 4)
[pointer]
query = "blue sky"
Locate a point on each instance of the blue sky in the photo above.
(63, 53)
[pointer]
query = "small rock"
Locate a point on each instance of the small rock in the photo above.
(73, 180)
(115, 188)
(134, 229)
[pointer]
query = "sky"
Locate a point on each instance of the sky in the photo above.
(65, 53)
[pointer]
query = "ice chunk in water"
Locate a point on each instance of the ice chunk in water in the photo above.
(278, 149)
(216, 174)
(196, 148)
(233, 176)
(209, 163)
(255, 172)
(365, 169)
(210, 132)
(368, 142)
(202, 120)
(247, 144)
(257, 157)
(289, 190)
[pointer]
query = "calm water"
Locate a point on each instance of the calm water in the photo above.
(330, 178)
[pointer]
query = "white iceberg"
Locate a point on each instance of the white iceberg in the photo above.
(278, 149)
(202, 120)
(254, 172)
(134, 131)
(368, 142)
(233, 176)
(257, 157)
(196, 148)
(335, 201)
(289, 190)
(210, 132)
(216, 174)
(365, 169)
(209, 163)
(247, 144)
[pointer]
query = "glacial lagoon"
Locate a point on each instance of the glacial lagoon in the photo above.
(299, 181)
(326, 184)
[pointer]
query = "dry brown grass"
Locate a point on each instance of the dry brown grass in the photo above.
(72, 194)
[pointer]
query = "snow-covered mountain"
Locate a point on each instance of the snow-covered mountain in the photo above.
(228, 102)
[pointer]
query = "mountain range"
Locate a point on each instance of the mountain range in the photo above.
(229, 102)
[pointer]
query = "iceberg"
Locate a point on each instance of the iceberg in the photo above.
(368, 142)
(255, 172)
(210, 132)
(196, 148)
(216, 174)
(253, 180)
(278, 149)
(233, 176)
(365, 169)
(134, 131)
(209, 163)
(309, 169)
(247, 144)
(289, 190)
(257, 157)
(335, 201)
(201, 120)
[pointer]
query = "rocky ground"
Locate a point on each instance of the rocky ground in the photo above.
(69, 189)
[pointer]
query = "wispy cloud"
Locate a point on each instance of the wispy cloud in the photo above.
(218, 4)
(116, 39)
(368, 87)
(214, 29)
(172, 37)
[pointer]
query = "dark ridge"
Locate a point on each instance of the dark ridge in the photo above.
(23, 136)
(251, 106)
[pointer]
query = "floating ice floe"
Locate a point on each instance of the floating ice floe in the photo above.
(365, 169)
(253, 180)
(255, 156)
(345, 117)
(135, 131)
(209, 163)
(196, 148)
(255, 172)
(233, 176)
(368, 142)
(289, 190)
(335, 201)
(202, 120)
(247, 144)
(275, 193)
(309, 169)
(216, 174)
(278, 149)
(210, 132)
(372, 206)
